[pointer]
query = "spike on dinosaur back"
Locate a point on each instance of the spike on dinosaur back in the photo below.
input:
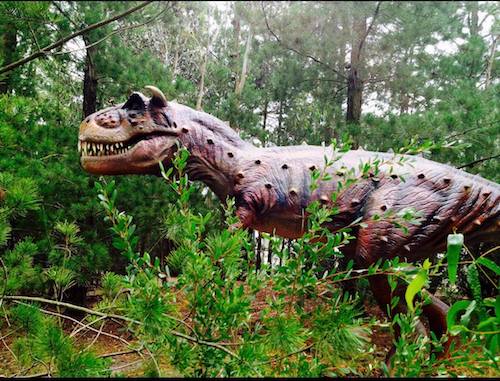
(324, 199)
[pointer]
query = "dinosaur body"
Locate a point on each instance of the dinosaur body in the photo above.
(271, 185)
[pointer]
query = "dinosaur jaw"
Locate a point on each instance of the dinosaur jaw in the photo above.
(138, 155)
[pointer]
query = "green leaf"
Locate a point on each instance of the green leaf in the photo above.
(454, 310)
(416, 285)
(464, 320)
(455, 242)
(497, 307)
(489, 264)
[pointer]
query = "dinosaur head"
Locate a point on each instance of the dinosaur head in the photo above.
(130, 138)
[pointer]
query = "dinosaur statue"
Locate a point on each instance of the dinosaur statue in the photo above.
(271, 185)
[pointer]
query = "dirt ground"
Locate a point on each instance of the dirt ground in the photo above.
(133, 364)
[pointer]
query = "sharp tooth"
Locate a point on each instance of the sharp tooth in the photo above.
(79, 145)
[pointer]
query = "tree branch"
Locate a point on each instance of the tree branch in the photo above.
(295, 50)
(63, 40)
(478, 161)
(128, 27)
(361, 43)
(86, 326)
(65, 14)
(125, 318)
(477, 127)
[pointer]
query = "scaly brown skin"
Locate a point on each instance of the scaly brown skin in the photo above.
(271, 185)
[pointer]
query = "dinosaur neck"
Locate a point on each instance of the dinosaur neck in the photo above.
(215, 151)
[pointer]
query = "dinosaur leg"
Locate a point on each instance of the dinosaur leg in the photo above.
(436, 313)
(383, 295)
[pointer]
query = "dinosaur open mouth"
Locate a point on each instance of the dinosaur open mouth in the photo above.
(96, 149)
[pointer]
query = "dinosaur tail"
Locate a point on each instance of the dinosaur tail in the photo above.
(479, 219)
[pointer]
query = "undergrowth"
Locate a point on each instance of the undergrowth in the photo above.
(223, 317)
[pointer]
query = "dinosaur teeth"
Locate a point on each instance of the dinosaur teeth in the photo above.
(102, 149)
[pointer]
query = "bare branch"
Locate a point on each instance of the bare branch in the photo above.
(295, 50)
(478, 161)
(68, 305)
(63, 40)
(477, 127)
(125, 318)
(128, 27)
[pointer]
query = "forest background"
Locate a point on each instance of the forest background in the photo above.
(383, 75)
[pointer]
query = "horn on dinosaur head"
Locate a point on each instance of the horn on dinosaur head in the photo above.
(158, 99)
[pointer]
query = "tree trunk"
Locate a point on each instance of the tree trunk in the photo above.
(244, 69)
(280, 123)
(258, 258)
(176, 63)
(8, 50)
(354, 82)
(491, 60)
(201, 89)
(473, 19)
(270, 256)
(89, 81)
(404, 103)
(264, 114)
(235, 55)
(176, 58)
(354, 96)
